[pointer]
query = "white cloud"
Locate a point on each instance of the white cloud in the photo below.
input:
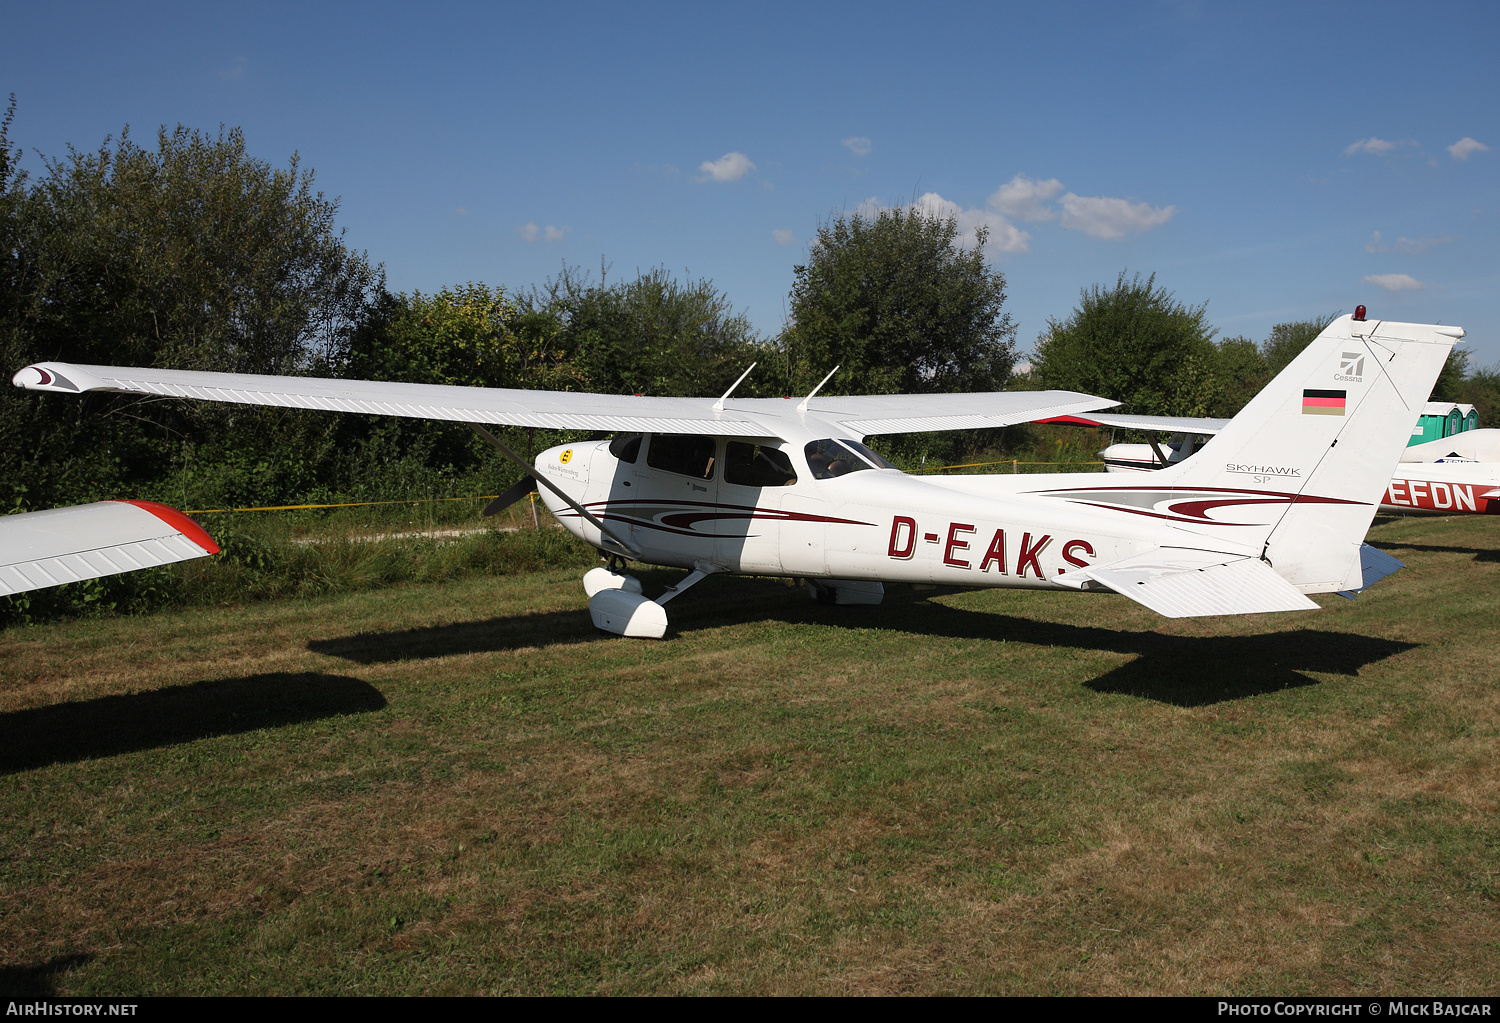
(784, 236)
(1396, 282)
(532, 233)
(729, 167)
(461, 211)
(1410, 246)
(1100, 216)
(234, 71)
(1465, 148)
(858, 145)
(1417, 246)
(1375, 146)
(1022, 198)
(1003, 235)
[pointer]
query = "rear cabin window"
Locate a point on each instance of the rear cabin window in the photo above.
(757, 465)
(626, 447)
(685, 454)
(830, 458)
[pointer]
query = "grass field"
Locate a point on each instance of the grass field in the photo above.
(461, 787)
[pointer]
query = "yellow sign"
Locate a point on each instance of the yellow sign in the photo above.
(566, 457)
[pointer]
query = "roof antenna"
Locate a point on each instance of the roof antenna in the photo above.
(802, 406)
(719, 405)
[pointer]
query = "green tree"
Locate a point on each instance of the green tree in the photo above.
(651, 335)
(898, 303)
(1453, 379)
(1241, 373)
(1482, 390)
(1135, 343)
(473, 335)
(1287, 340)
(193, 255)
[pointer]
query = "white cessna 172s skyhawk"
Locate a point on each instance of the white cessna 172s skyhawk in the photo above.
(776, 487)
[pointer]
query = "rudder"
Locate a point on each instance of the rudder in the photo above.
(1318, 445)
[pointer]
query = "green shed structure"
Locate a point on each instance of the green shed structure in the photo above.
(1443, 419)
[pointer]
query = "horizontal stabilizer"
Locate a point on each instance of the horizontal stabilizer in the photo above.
(1182, 583)
(67, 545)
(1374, 565)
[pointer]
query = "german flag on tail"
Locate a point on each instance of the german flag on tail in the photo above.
(1323, 403)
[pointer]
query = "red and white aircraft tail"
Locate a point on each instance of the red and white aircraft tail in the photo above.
(1294, 480)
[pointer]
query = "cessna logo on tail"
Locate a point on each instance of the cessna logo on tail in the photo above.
(1351, 367)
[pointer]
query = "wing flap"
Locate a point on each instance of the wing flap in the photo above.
(68, 545)
(1182, 583)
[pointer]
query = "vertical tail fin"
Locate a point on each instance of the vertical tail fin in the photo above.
(1309, 457)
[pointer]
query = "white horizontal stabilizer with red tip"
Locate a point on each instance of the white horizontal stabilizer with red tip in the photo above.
(66, 545)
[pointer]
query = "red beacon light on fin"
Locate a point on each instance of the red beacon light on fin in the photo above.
(1359, 312)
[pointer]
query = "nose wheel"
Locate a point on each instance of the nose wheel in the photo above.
(617, 605)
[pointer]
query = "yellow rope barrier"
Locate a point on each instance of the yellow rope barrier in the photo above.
(351, 504)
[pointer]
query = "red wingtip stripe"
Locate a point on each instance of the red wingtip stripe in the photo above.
(180, 522)
(1070, 421)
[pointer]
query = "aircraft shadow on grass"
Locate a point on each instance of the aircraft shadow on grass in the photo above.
(38, 980)
(1185, 671)
(1479, 553)
(109, 725)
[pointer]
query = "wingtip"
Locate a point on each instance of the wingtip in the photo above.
(43, 376)
(180, 522)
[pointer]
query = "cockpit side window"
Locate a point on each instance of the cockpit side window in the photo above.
(830, 458)
(867, 454)
(757, 465)
(686, 454)
(626, 447)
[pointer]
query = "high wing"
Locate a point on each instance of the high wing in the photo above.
(65, 545)
(1150, 424)
(855, 417)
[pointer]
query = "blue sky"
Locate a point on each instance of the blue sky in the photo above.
(1275, 161)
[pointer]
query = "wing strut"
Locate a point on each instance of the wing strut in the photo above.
(802, 405)
(719, 405)
(588, 516)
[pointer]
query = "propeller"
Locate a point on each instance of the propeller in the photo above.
(510, 497)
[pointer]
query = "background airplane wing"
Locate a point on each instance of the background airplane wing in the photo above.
(65, 545)
(568, 410)
(1158, 424)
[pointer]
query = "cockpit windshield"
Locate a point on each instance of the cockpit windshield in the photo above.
(830, 458)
